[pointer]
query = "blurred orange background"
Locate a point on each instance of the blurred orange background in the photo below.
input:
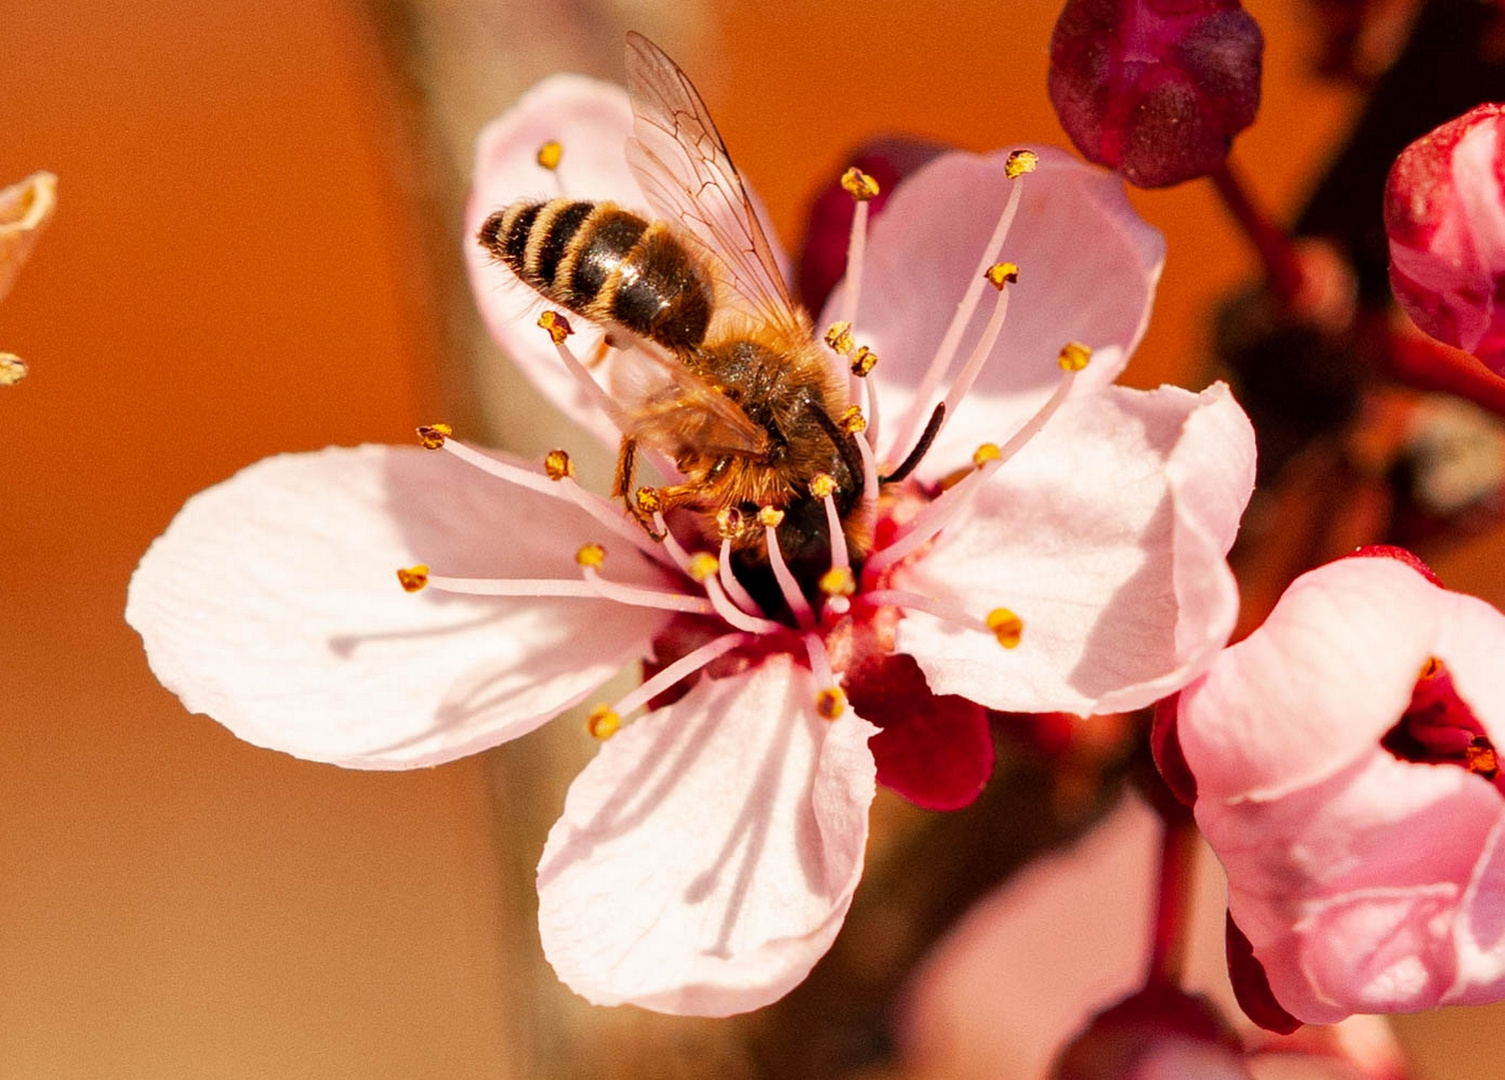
(231, 274)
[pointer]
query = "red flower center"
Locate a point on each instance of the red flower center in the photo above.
(1439, 728)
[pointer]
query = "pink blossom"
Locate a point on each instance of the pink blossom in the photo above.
(1345, 776)
(707, 856)
(25, 208)
(1445, 217)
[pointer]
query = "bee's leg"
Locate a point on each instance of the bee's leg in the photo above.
(692, 494)
(621, 486)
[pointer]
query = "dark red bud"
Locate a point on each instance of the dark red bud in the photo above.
(1155, 89)
(1251, 986)
(823, 259)
(1399, 554)
(1123, 1042)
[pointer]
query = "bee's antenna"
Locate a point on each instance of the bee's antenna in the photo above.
(844, 441)
(920, 448)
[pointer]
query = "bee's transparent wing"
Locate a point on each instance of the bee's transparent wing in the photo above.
(683, 168)
(674, 410)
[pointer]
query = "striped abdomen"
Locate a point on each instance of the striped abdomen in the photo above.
(607, 264)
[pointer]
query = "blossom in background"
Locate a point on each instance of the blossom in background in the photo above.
(1155, 89)
(24, 209)
(707, 856)
(1445, 217)
(1345, 773)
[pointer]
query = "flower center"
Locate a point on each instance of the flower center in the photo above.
(1439, 728)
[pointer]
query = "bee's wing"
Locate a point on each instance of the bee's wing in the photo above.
(674, 410)
(683, 168)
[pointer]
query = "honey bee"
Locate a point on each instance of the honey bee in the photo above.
(719, 370)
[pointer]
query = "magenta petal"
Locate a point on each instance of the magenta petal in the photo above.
(591, 120)
(1088, 266)
(272, 604)
(707, 857)
(936, 751)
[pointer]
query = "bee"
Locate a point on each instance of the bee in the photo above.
(719, 370)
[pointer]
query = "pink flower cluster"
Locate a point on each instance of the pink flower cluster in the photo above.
(707, 856)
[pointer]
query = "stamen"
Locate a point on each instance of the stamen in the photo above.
(12, 369)
(863, 361)
(734, 589)
(562, 487)
(859, 185)
(635, 596)
(681, 669)
(830, 699)
(939, 513)
(703, 568)
(1017, 165)
(514, 586)
(999, 275)
(413, 578)
(559, 329)
(432, 436)
(1007, 627)
(852, 421)
(770, 518)
(1002, 623)
(549, 154)
(557, 465)
(590, 555)
(870, 484)
(839, 337)
(602, 723)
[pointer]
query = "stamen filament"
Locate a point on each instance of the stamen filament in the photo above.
(740, 596)
(636, 596)
(830, 699)
(514, 586)
(869, 469)
(682, 668)
(717, 596)
(950, 502)
(913, 601)
(787, 585)
(852, 291)
(920, 406)
(979, 355)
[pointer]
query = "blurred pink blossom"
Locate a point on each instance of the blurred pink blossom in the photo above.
(1445, 216)
(25, 209)
(707, 856)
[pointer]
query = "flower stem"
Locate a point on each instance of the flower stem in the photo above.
(1178, 856)
(1271, 242)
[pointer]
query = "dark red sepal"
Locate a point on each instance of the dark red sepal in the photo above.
(1251, 986)
(935, 750)
(1400, 554)
(1165, 745)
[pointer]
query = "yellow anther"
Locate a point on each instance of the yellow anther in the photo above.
(830, 703)
(852, 421)
(557, 325)
(549, 154)
(702, 565)
(12, 369)
(602, 723)
(591, 556)
(1481, 758)
(557, 465)
(985, 453)
(1019, 163)
(822, 485)
(771, 517)
(838, 581)
(839, 337)
(1007, 627)
(1001, 274)
(863, 360)
(432, 436)
(729, 522)
(859, 185)
(1074, 356)
(1430, 669)
(648, 500)
(413, 578)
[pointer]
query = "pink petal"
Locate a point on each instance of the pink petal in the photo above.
(591, 120)
(24, 209)
(1088, 266)
(1313, 690)
(271, 603)
(707, 857)
(1106, 535)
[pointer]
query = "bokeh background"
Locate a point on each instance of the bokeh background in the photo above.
(257, 251)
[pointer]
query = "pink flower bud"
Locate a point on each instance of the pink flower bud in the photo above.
(1445, 216)
(1155, 89)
